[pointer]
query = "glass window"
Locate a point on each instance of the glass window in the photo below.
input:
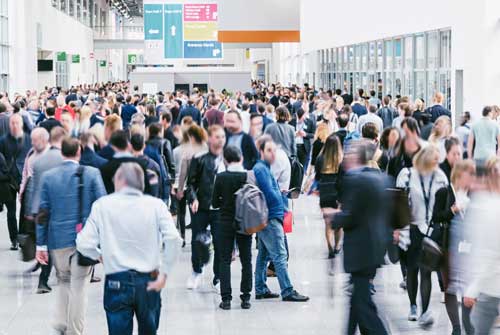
(364, 56)
(409, 52)
(432, 49)
(4, 30)
(420, 51)
(96, 15)
(71, 7)
(388, 84)
(432, 82)
(398, 84)
(55, 3)
(388, 54)
(85, 12)
(357, 57)
(420, 85)
(64, 5)
(334, 60)
(3, 7)
(408, 84)
(91, 13)
(445, 49)
(79, 10)
(346, 59)
(398, 57)
(351, 58)
(380, 55)
(372, 59)
(340, 59)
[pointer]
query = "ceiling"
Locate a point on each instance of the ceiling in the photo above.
(128, 8)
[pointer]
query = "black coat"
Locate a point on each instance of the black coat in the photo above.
(364, 219)
(309, 129)
(200, 181)
(50, 123)
(226, 185)
(6, 192)
(446, 168)
(109, 169)
(90, 158)
(248, 150)
(441, 213)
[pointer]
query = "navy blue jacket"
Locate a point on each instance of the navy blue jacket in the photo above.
(269, 187)
(15, 152)
(437, 111)
(359, 109)
(107, 152)
(90, 158)
(192, 111)
(127, 111)
(248, 150)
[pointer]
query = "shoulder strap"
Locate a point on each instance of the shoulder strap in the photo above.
(251, 177)
(79, 174)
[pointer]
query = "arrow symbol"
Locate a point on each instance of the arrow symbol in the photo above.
(153, 31)
(172, 30)
(215, 52)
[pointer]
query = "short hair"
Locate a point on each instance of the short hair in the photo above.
(300, 112)
(450, 142)
(384, 138)
(137, 142)
(372, 109)
(245, 106)
(213, 101)
(347, 109)
(370, 131)
(338, 91)
(3, 108)
(197, 133)
(411, 124)
(57, 134)
(343, 119)
(487, 110)
(128, 99)
(119, 139)
(282, 114)
(261, 109)
(41, 132)
(232, 154)
(386, 100)
(214, 128)
(150, 108)
(255, 115)
(85, 138)
(154, 130)
(406, 108)
(50, 111)
(70, 147)
(262, 141)
(427, 159)
(460, 167)
(132, 174)
(362, 149)
(167, 116)
(372, 93)
(113, 122)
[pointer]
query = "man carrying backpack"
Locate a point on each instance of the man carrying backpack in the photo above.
(386, 113)
(272, 237)
(226, 185)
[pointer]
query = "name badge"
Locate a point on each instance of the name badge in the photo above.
(464, 247)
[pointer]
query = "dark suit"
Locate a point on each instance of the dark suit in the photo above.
(248, 150)
(437, 111)
(304, 150)
(446, 168)
(364, 220)
(50, 123)
(90, 158)
(342, 134)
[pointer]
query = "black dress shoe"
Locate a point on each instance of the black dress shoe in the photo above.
(245, 304)
(14, 246)
(296, 297)
(225, 305)
(268, 295)
(43, 288)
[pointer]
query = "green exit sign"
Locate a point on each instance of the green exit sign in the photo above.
(75, 59)
(132, 59)
(102, 63)
(61, 56)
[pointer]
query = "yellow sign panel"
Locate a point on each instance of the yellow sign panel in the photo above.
(200, 31)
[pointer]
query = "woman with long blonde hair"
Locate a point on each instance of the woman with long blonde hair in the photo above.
(440, 132)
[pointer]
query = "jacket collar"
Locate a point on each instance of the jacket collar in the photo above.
(129, 191)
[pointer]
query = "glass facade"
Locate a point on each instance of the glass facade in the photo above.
(85, 11)
(4, 46)
(415, 65)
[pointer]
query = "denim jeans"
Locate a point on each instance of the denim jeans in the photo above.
(199, 224)
(125, 294)
(484, 314)
(272, 247)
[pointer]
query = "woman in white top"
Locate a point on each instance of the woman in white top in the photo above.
(440, 132)
(423, 180)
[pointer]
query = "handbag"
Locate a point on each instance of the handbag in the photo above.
(431, 254)
(288, 222)
(82, 260)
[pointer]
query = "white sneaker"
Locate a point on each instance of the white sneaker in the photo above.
(194, 281)
(426, 320)
(412, 316)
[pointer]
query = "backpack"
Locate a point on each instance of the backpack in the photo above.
(297, 173)
(351, 136)
(387, 116)
(251, 212)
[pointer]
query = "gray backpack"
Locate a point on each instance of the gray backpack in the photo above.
(251, 208)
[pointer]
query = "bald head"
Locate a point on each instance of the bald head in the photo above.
(40, 139)
(16, 125)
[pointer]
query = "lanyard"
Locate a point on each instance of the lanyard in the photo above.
(427, 196)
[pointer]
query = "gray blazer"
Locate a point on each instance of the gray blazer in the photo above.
(284, 135)
(47, 161)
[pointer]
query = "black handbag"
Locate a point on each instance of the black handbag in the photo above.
(82, 260)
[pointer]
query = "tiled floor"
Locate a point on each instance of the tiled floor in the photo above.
(22, 312)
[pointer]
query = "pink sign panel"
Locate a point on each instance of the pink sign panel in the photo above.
(200, 12)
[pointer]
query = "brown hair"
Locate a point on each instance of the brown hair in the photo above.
(332, 155)
(282, 114)
(460, 167)
(197, 133)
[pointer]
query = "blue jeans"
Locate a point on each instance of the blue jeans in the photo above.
(125, 294)
(272, 247)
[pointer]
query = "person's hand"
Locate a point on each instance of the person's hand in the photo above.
(395, 236)
(194, 206)
(180, 194)
(29, 217)
(42, 257)
(469, 302)
(301, 133)
(455, 209)
(158, 284)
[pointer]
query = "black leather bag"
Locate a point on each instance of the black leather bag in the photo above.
(82, 260)
(432, 254)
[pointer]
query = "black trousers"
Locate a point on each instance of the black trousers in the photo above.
(199, 224)
(12, 220)
(363, 312)
(181, 216)
(226, 242)
(302, 154)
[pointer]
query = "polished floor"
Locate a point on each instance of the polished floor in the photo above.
(22, 312)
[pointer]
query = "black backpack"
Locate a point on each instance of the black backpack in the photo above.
(297, 173)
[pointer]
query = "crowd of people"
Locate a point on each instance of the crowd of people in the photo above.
(104, 173)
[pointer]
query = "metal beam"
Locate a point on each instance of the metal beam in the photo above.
(118, 44)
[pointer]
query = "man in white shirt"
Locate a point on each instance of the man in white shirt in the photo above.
(370, 117)
(127, 230)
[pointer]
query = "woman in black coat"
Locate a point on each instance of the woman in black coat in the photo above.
(449, 210)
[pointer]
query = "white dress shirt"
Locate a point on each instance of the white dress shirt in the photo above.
(128, 229)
